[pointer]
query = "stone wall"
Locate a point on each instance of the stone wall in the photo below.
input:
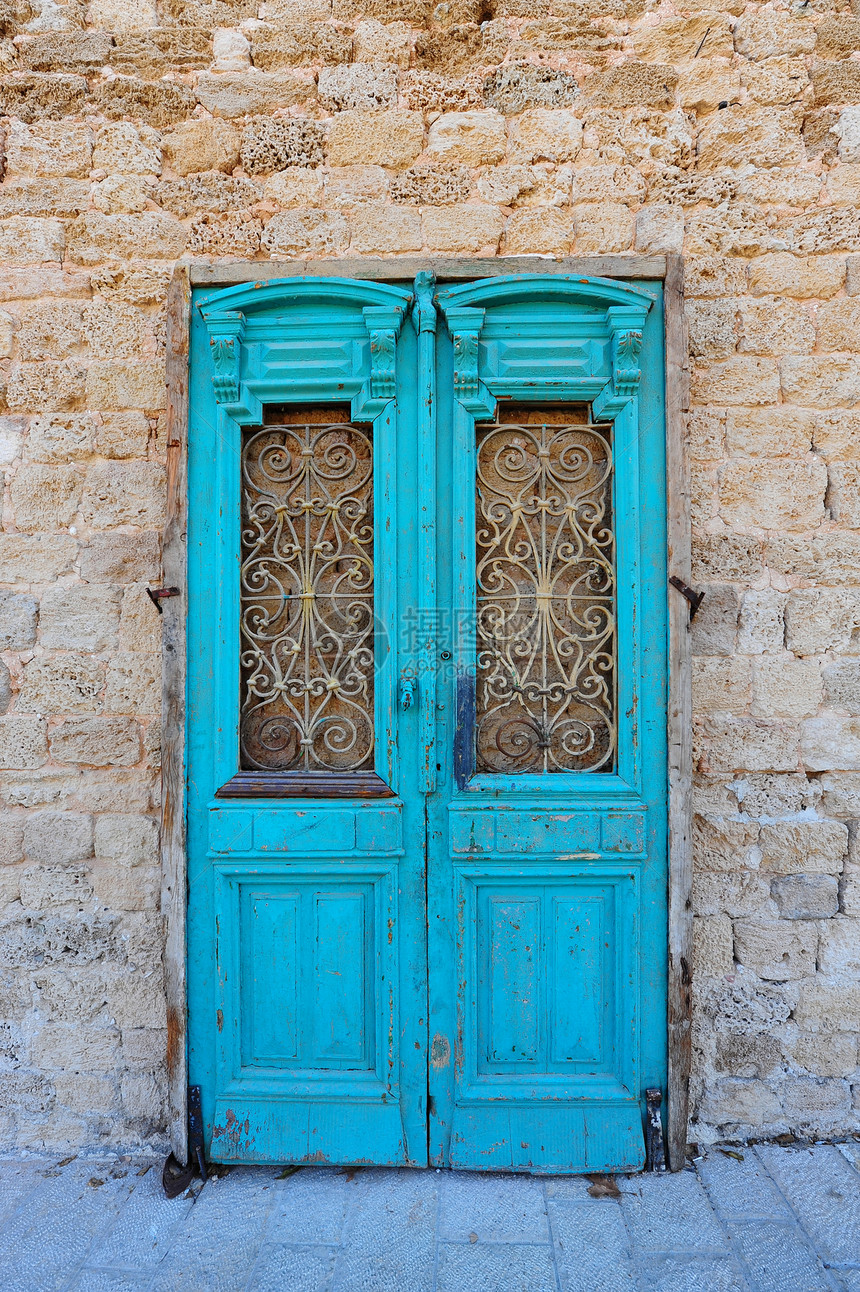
(137, 133)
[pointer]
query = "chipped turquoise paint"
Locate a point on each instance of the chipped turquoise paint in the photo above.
(495, 942)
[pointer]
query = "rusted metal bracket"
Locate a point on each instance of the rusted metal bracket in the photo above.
(655, 1152)
(695, 598)
(175, 1178)
(157, 595)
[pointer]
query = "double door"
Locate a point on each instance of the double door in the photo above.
(426, 744)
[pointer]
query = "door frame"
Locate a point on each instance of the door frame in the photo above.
(669, 268)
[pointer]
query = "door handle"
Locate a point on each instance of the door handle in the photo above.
(408, 692)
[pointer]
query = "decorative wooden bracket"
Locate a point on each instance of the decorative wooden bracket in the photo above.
(625, 323)
(383, 324)
(425, 306)
(226, 331)
(465, 325)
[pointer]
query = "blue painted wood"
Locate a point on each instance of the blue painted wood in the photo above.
(314, 1030)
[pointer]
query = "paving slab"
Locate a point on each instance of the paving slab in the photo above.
(671, 1213)
(778, 1258)
(823, 1190)
(593, 1247)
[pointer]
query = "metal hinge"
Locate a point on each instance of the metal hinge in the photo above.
(175, 1178)
(695, 598)
(157, 595)
(655, 1152)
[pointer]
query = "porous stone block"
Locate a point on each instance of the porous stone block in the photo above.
(231, 50)
(840, 793)
(158, 103)
(65, 683)
(723, 844)
(839, 952)
(49, 148)
(357, 87)
(545, 134)
(27, 241)
(45, 497)
(818, 382)
(841, 679)
(775, 327)
(123, 148)
(305, 233)
(712, 946)
(140, 627)
(96, 742)
(541, 230)
(827, 1006)
(712, 328)
(49, 331)
(58, 838)
(210, 192)
(95, 237)
(660, 229)
(472, 138)
(516, 87)
(773, 495)
(826, 1055)
(761, 626)
(734, 1102)
(240, 94)
(715, 276)
(632, 85)
(720, 685)
(274, 144)
(603, 227)
(806, 897)
(133, 684)
(433, 185)
(831, 742)
(123, 15)
(741, 894)
(742, 380)
(302, 43)
(821, 619)
(714, 629)
(198, 145)
(837, 434)
(82, 617)
(37, 95)
(348, 187)
(74, 51)
(727, 556)
(783, 274)
(124, 494)
(776, 950)
(5, 688)
(769, 34)
(18, 614)
(120, 558)
(118, 384)
(463, 229)
(770, 432)
(742, 745)
(377, 228)
(234, 233)
(35, 558)
(803, 847)
(744, 134)
(23, 741)
(90, 1048)
(391, 138)
(844, 493)
(785, 687)
(127, 838)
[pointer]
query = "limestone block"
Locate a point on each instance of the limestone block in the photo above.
(64, 683)
(123, 15)
(49, 148)
(703, 482)
(680, 40)
(5, 688)
(143, 1047)
(773, 494)
(125, 494)
(89, 1048)
(96, 742)
(124, 194)
(720, 685)
(739, 380)
(833, 1055)
(603, 228)
(776, 80)
(824, 1006)
(305, 233)
(775, 187)
(18, 614)
(706, 83)
(198, 145)
(120, 384)
(357, 87)
(776, 796)
(726, 556)
(744, 134)
(464, 229)
(127, 838)
(803, 847)
(769, 34)
(349, 186)
(770, 432)
(621, 183)
(82, 617)
(140, 629)
(836, 82)
(761, 626)
(783, 274)
(74, 51)
(734, 227)
(815, 1107)
(724, 845)
(839, 952)
(274, 144)
(95, 237)
(741, 745)
(543, 184)
(545, 134)
(831, 742)
(429, 92)
(716, 276)
(842, 685)
(706, 431)
(122, 148)
(137, 284)
(847, 130)
(86, 1093)
(120, 558)
(134, 684)
(274, 48)
(632, 85)
(36, 558)
(392, 138)
(152, 744)
(784, 687)
(775, 327)
(37, 95)
(387, 44)
(517, 86)
(660, 229)
(736, 1102)
(844, 494)
(714, 629)
(158, 103)
(143, 1097)
(377, 228)
(712, 946)
(210, 191)
(545, 230)
(837, 37)
(49, 330)
(806, 897)
(23, 741)
(231, 50)
(137, 999)
(838, 324)
(744, 1055)
(240, 94)
(821, 619)
(711, 325)
(737, 895)
(443, 184)
(836, 557)
(473, 138)
(45, 497)
(849, 891)
(112, 329)
(25, 241)
(777, 950)
(233, 233)
(58, 838)
(11, 838)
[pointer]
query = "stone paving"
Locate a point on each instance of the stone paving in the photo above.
(782, 1219)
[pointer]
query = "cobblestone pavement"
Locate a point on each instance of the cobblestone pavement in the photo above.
(780, 1220)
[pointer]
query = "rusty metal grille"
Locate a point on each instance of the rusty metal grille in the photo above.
(307, 649)
(546, 621)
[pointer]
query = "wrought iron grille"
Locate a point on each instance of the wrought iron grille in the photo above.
(546, 623)
(307, 621)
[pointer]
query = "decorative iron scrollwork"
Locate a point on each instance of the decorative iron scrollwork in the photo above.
(307, 622)
(545, 694)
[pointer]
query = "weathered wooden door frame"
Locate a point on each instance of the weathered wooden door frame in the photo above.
(679, 720)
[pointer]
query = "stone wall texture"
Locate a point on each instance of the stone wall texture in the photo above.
(138, 132)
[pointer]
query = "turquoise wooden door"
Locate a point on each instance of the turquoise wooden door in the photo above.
(426, 791)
